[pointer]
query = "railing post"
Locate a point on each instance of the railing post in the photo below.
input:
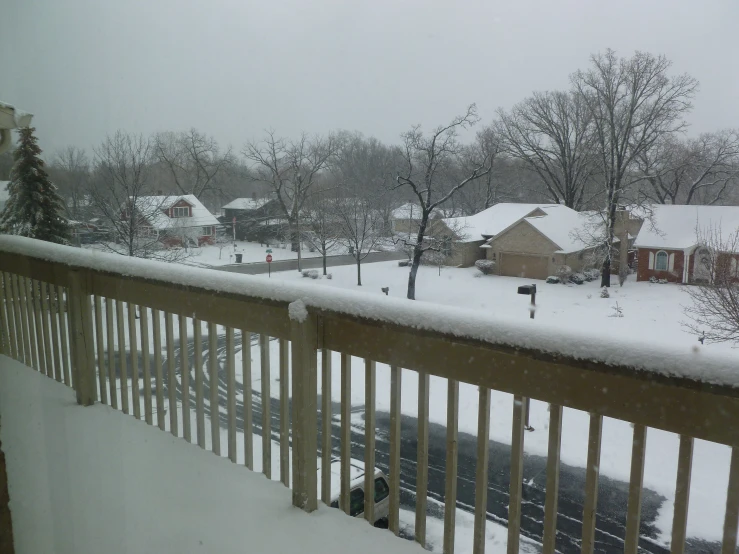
(83, 356)
(304, 336)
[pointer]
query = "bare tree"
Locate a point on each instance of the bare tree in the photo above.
(122, 196)
(70, 172)
(361, 224)
(488, 190)
(193, 160)
(551, 133)
(690, 171)
(322, 223)
(714, 311)
(426, 158)
(290, 169)
(632, 103)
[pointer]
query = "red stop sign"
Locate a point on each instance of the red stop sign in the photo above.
(269, 258)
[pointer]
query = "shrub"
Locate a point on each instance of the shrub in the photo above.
(564, 273)
(486, 267)
(604, 293)
(591, 274)
(577, 278)
(312, 273)
(404, 263)
(329, 276)
(553, 279)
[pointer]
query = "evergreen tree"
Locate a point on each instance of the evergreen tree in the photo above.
(34, 208)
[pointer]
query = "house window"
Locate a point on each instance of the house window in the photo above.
(207, 231)
(660, 263)
(181, 211)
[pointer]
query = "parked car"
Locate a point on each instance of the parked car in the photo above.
(356, 495)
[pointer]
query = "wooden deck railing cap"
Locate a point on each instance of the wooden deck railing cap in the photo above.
(534, 338)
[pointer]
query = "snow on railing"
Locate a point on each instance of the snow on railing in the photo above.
(88, 319)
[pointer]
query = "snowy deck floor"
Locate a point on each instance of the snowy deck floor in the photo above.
(95, 480)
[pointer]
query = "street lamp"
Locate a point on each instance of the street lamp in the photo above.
(11, 118)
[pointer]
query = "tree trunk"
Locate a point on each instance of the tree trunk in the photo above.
(359, 270)
(324, 261)
(417, 253)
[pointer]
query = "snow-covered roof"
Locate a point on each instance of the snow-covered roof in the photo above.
(245, 204)
(678, 227)
(20, 117)
(563, 226)
(490, 222)
(152, 208)
(406, 211)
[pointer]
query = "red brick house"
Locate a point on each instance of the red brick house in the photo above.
(671, 245)
(175, 220)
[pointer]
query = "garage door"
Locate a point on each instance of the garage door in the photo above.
(519, 265)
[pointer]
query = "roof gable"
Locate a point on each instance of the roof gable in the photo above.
(492, 221)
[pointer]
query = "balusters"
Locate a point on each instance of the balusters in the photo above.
(6, 317)
(184, 379)
(731, 517)
(199, 400)
(552, 490)
(247, 393)
(51, 369)
(25, 320)
(633, 514)
(284, 414)
(266, 407)
(63, 310)
(109, 331)
(158, 371)
(231, 393)
(99, 346)
(34, 325)
(682, 494)
(134, 346)
(171, 376)
(34, 289)
(422, 458)
(346, 444)
(394, 464)
(215, 427)
(481, 470)
(145, 363)
(122, 354)
(591, 484)
(514, 501)
(369, 440)
(450, 493)
(326, 426)
(54, 315)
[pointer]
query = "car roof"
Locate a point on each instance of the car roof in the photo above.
(356, 475)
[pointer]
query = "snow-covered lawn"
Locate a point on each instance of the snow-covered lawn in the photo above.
(648, 310)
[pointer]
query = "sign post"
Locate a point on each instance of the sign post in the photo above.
(233, 225)
(269, 263)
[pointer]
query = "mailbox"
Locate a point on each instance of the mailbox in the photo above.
(527, 289)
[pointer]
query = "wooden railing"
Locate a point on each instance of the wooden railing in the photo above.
(72, 315)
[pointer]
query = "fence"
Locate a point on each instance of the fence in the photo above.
(66, 312)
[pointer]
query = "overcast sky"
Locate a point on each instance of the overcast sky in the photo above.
(232, 68)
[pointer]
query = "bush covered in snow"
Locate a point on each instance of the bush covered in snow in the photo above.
(604, 293)
(564, 273)
(591, 274)
(486, 267)
(312, 273)
(553, 280)
(404, 263)
(329, 276)
(577, 278)
(656, 281)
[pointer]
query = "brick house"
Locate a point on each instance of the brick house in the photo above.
(174, 220)
(672, 246)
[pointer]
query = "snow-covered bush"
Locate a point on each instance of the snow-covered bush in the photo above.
(329, 276)
(564, 273)
(591, 274)
(577, 278)
(656, 281)
(312, 273)
(404, 263)
(604, 293)
(485, 267)
(553, 280)
(663, 281)
(617, 311)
